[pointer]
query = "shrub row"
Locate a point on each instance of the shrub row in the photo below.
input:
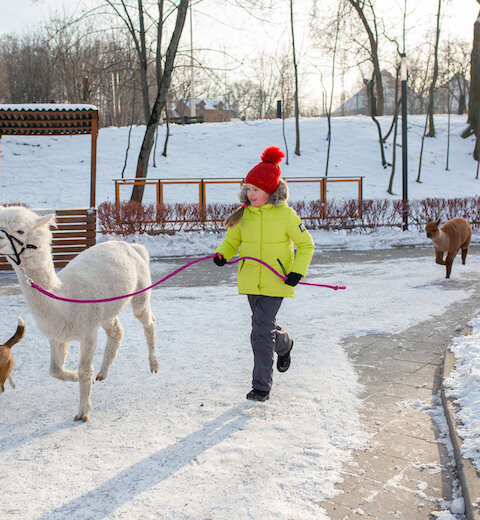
(341, 214)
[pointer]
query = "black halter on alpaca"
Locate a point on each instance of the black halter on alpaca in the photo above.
(17, 253)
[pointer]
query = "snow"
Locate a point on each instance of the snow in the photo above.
(184, 443)
(464, 387)
(46, 106)
(54, 171)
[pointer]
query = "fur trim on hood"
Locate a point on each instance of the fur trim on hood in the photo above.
(279, 195)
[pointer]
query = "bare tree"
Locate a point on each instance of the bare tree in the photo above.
(329, 106)
(474, 102)
(431, 97)
(394, 145)
(295, 68)
(159, 104)
(365, 9)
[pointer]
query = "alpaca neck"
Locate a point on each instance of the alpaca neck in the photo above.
(39, 267)
(442, 240)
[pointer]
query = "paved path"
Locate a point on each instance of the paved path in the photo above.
(404, 472)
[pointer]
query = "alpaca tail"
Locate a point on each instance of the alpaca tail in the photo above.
(19, 333)
(142, 251)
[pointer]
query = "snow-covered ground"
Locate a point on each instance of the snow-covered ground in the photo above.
(464, 386)
(55, 171)
(185, 444)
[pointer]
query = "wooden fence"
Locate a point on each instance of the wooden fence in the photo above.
(321, 190)
(76, 232)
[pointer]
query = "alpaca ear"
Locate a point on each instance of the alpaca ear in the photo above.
(438, 221)
(43, 221)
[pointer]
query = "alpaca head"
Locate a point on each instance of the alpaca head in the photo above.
(22, 229)
(432, 228)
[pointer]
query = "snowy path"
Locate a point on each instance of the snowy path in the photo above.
(185, 444)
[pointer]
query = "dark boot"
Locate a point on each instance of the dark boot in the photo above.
(258, 395)
(283, 362)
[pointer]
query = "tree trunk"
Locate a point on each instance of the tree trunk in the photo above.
(431, 97)
(371, 96)
(159, 104)
(373, 40)
(474, 102)
(297, 114)
(329, 110)
(143, 63)
(394, 148)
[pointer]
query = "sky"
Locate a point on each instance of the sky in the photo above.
(22, 15)
(243, 37)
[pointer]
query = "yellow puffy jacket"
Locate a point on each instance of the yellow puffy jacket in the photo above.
(268, 233)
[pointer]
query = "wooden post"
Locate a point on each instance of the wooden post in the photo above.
(93, 168)
(360, 197)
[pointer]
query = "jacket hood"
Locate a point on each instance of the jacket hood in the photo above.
(280, 195)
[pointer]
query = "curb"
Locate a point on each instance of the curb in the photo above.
(467, 474)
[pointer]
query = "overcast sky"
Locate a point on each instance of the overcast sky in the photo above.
(221, 28)
(22, 15)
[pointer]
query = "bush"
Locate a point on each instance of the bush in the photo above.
(340, 214)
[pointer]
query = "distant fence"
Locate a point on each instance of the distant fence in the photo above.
(76, 232)
(202, 183)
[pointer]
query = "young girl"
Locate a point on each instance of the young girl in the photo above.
(265, 227)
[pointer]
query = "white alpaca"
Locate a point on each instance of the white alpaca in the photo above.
(105, 270)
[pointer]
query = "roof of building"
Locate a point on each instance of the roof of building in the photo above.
(46, 107)
(210, 104)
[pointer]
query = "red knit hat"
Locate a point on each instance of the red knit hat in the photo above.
(266, 174)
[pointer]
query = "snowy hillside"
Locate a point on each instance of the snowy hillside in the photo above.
(54, 171)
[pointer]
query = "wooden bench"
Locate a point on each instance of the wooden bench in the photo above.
(76, 232)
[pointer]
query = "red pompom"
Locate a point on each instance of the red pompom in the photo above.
(272, 155)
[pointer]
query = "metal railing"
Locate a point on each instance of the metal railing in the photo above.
(202, 184)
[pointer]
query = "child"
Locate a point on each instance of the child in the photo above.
(265, 227)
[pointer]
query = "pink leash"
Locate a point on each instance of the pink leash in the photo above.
(165, 278)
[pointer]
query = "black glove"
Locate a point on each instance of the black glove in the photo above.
(219, 260)
(293, 279)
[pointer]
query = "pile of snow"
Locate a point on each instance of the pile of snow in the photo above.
(464, 385)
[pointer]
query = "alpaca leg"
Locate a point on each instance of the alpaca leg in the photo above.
(12, 382)
(114, 333)
(464, 255)
(142, 311)
(449, 262)
(439, 257)
(85, 375)
(58, 353)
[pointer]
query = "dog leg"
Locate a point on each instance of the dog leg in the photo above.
(85, 376)
(114, 333)
(58, 353)
(142, 311)
(12, 382)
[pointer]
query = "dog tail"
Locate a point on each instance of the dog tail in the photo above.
(19, 333)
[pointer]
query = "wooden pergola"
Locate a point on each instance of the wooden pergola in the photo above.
(77, 226)
(49, 119)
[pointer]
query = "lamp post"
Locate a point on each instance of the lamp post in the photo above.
(403, 77)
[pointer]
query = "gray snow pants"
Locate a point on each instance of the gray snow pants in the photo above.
(267, 337)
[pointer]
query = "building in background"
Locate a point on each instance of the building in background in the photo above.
(206, 111)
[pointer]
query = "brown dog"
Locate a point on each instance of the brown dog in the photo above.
(6, 358)
(455, 234)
